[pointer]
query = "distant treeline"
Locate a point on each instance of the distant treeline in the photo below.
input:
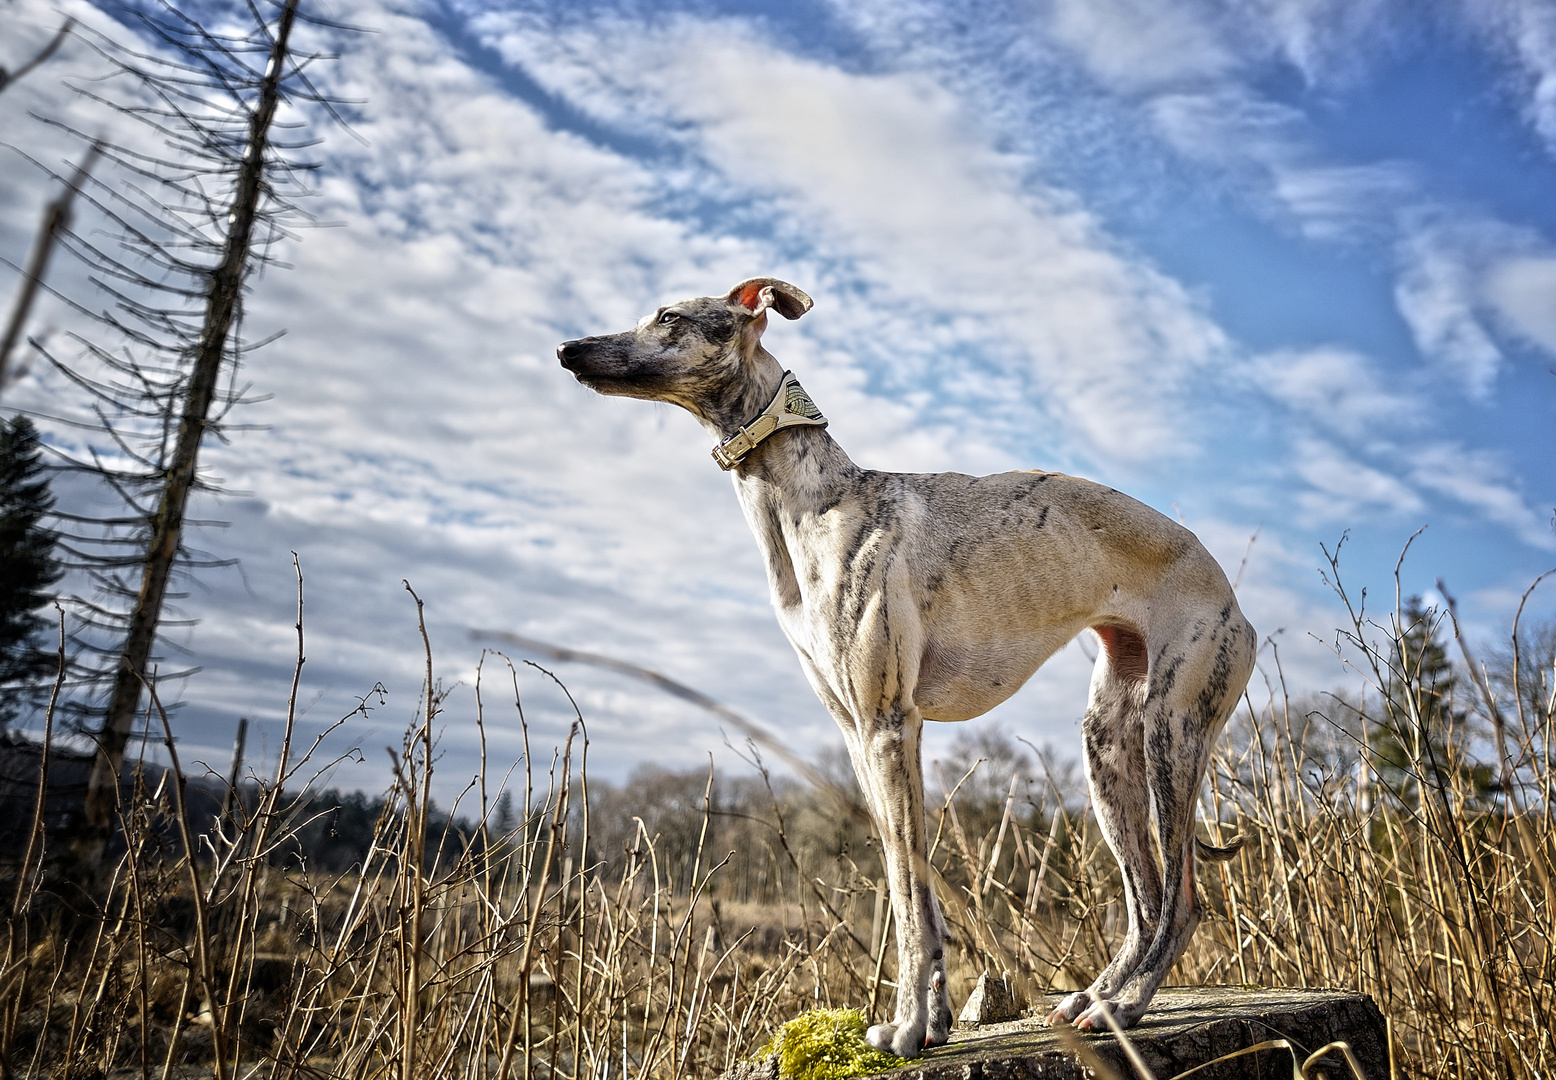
(768, 832)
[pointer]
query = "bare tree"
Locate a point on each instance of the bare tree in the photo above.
(201, 194)
(212, 348)
(55, 217)
(8, 77)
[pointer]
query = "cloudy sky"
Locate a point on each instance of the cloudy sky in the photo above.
(1280, 267)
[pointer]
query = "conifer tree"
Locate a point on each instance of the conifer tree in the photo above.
(1419, 739)
(28, 569)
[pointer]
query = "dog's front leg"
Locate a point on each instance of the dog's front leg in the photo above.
(887, 760)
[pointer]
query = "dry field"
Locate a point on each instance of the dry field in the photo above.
(1400, 844)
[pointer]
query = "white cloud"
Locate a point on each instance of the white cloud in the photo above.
(1338, 389)
(1436, 295)
(1342, 203)
(890, 177)
(1135, 45)
(1140, 44)
(1418, 479)
(1326, 40)
(1479, 480)
(1228, 127)
(1270, 154)
(1343, 489)
(1527, 30)
(1463, 278)
(1462, 275)
(1522, 289)
(420, 426)
(1207, 105)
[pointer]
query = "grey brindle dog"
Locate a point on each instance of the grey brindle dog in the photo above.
(934, 596)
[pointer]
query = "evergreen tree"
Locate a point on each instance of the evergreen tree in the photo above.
(1422, 735)
(27, 569)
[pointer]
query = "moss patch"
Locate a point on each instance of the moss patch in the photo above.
(826, 1044)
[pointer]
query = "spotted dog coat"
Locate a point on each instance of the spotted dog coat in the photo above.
(934, 596)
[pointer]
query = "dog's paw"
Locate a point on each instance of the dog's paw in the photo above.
(1068, 1009)
(903, 1040)
(1125, 1013)
(940, 1030)
(939, 1012)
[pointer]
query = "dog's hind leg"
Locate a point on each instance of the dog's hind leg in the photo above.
(1193, 687)
(1113, 735)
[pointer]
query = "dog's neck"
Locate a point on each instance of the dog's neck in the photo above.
(750, 392)
(804, 469)
(786, 483)
(799, 466)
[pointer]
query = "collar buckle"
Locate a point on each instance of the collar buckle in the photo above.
(791, 406)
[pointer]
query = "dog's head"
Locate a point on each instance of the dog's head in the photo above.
(699, 354)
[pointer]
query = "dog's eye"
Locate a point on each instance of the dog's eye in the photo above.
(669, 317)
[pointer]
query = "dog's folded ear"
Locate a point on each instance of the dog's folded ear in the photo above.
(756, 295)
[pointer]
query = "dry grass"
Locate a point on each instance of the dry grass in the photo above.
(1399, 845)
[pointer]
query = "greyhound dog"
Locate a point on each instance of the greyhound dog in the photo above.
(913, 597)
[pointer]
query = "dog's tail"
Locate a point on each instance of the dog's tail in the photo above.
(1211, 853)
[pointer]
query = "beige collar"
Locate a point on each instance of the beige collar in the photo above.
(791, 407)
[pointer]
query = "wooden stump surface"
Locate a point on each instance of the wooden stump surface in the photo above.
(1186, 1027)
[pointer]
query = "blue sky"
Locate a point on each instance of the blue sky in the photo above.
(1285, 266)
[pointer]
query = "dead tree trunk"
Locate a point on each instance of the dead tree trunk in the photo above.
(55, 217)
(222, 301)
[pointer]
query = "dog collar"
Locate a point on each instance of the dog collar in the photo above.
(791, 407)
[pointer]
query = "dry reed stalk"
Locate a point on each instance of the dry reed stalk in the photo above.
(216, 1000)
(478, 953)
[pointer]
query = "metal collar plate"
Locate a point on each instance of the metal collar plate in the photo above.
(791, 407)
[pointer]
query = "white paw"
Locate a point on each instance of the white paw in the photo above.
(1069, 1009)
(1125, 1014)
(903, 1040)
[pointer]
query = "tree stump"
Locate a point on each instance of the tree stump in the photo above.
(1185, 1028)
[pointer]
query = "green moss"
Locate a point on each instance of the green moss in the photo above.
(826, 1044)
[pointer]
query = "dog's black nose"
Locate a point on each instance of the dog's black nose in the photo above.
(570, 352)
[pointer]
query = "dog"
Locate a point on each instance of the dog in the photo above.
(935, 596)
